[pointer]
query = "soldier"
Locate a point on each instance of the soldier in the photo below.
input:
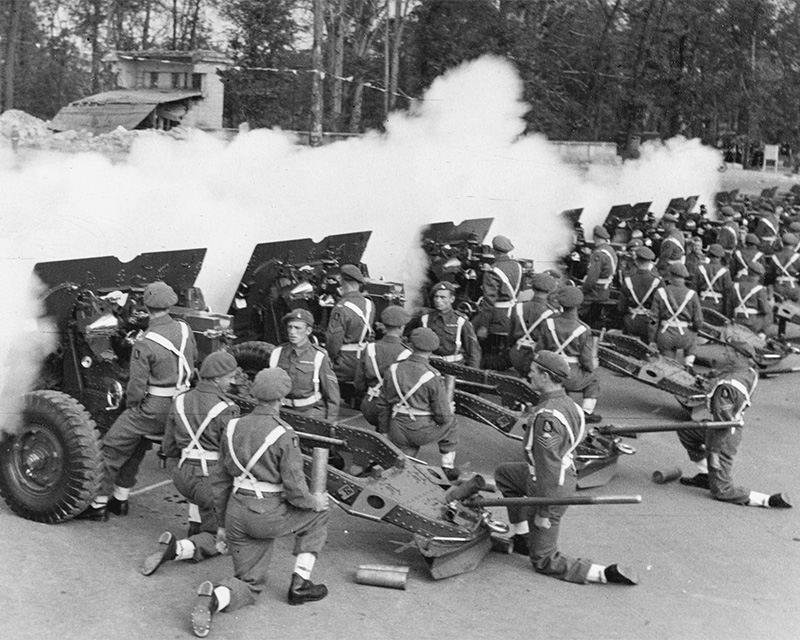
(766, 228)
(713, 282)
(672, 250)
(261, 494)
(599, 276)
(194, 429)
(553, 432)
(350, 325)
(713, 450)
(162, 363)
(524, 320)
(784, 269)
(567, 336)
(457, 339)
(749, 304)
(636, 294)
(501, 284)
(677, 316)
(745, 255)
(376, 359)
(728, 232)
(315, 389)
(415, 409)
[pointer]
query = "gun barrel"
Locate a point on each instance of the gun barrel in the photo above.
(544, 502)
(611, 430)
(778, 371)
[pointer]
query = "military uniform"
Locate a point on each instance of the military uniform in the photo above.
(457, 339)
(599, 277)
(196, 424)
(749, 304)
(315, 388)
(677, 315)
(713, 284)
(635, 297)
(745, 255)
(525, 320)
(162, 362)
(371, 372)
(672, 251)
(349, 331)
(785, 269)
(500, 287)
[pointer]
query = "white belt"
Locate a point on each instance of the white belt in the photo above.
(638, 312)
(456, 357)
(604, 282)
(410, 411)
(526, 343)
(769, 238)
(199, 454)
(504, 304)
(745, 311)
(301, 402)
(570, 359)
(162, 392)
(357, 348)
(711, 294)
(681, 260)
(792, 281)
(256, 486)
(675, 324)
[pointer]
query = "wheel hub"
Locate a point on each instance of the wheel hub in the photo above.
(39, 459)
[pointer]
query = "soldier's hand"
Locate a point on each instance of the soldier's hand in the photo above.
(319, 501)
(221, 541)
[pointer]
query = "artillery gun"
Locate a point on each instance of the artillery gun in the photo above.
(51, 465)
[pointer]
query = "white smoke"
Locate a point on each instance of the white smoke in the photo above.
(458, 155)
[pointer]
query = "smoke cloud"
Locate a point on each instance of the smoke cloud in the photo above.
(458, 154)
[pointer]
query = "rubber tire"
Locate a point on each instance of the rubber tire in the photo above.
(68, 428)
(252, 356)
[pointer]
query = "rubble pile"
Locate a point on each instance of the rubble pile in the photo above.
(27, 126)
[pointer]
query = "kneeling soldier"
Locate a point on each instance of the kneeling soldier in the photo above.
(261, 494)
(677, 317)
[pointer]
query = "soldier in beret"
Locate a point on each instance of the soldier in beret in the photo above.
(599, 276)
(677, 317)
(457, 339)
(745, 255)
(415, 407)
(554, 430)
(672, 250)
(261, 494)
(315, 389)
(567, 336)
(526, 318)
(728, 232)
(162, 363)
(749, 305)
(376, 360)
(784, 269)
(350, 325)
(713, 281)
(636, 295)
(193, 433)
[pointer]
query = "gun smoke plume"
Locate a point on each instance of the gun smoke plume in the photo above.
(459, 154)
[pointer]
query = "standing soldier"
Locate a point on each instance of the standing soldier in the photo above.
(567, 336)
(767, 226)
(261, 494)
(315, 389)
(745, 255)
(599, 276)
(636, 295)
(672, 250)
(376, 359)
(524, 320)
(677, 316)
(162, 362)
(457, 339)
(750, 305)
(554, 430)
(193, 432)
(728, 232)
(785, 268)
(500, 288)
(713, 281)
(415, 407)
(350, 325)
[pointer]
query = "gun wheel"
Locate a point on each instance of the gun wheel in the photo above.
(51, 467)
(252, 356)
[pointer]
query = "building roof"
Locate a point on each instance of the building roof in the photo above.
(104, 112)
(182, 57)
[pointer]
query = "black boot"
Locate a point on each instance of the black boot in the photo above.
(451, 473)
(302, 590)
(169, 552)
(118, 507)
(700, 481)
(205, 607)
(194, 528)
(593, 418)
(96, 514)
(620, 574)
(521, 545)
(780, 501)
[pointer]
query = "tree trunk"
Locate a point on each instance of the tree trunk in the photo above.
(399, 24)
(338, 69)
(193, 29)
(358, 103)
(146, 26)
(316, 82)
(12, 40)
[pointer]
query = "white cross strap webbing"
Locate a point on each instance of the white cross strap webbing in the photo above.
(184, 368)
(246, 480)
(402, 405)
(527, 340)
(194, 450)
(673, 321)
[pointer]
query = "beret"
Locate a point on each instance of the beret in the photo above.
(670, 217)
(501, 243)
(569, 297)
(543, 282)
(395, 316)
(633, 243)
(444, 286)
(691, 224)
(755, 267)
(678, 270)
(159, 295)
(751, 238)
(645, 253)
(271, 384)
(716, 250)
(218, 364)
(600, 232)
(303, 315)
(352, 272)
(789, 239)
(794, 226)
(424, 339)
(727, 211)
(552, 362)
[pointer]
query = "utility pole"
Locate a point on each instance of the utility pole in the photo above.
(316, 83)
